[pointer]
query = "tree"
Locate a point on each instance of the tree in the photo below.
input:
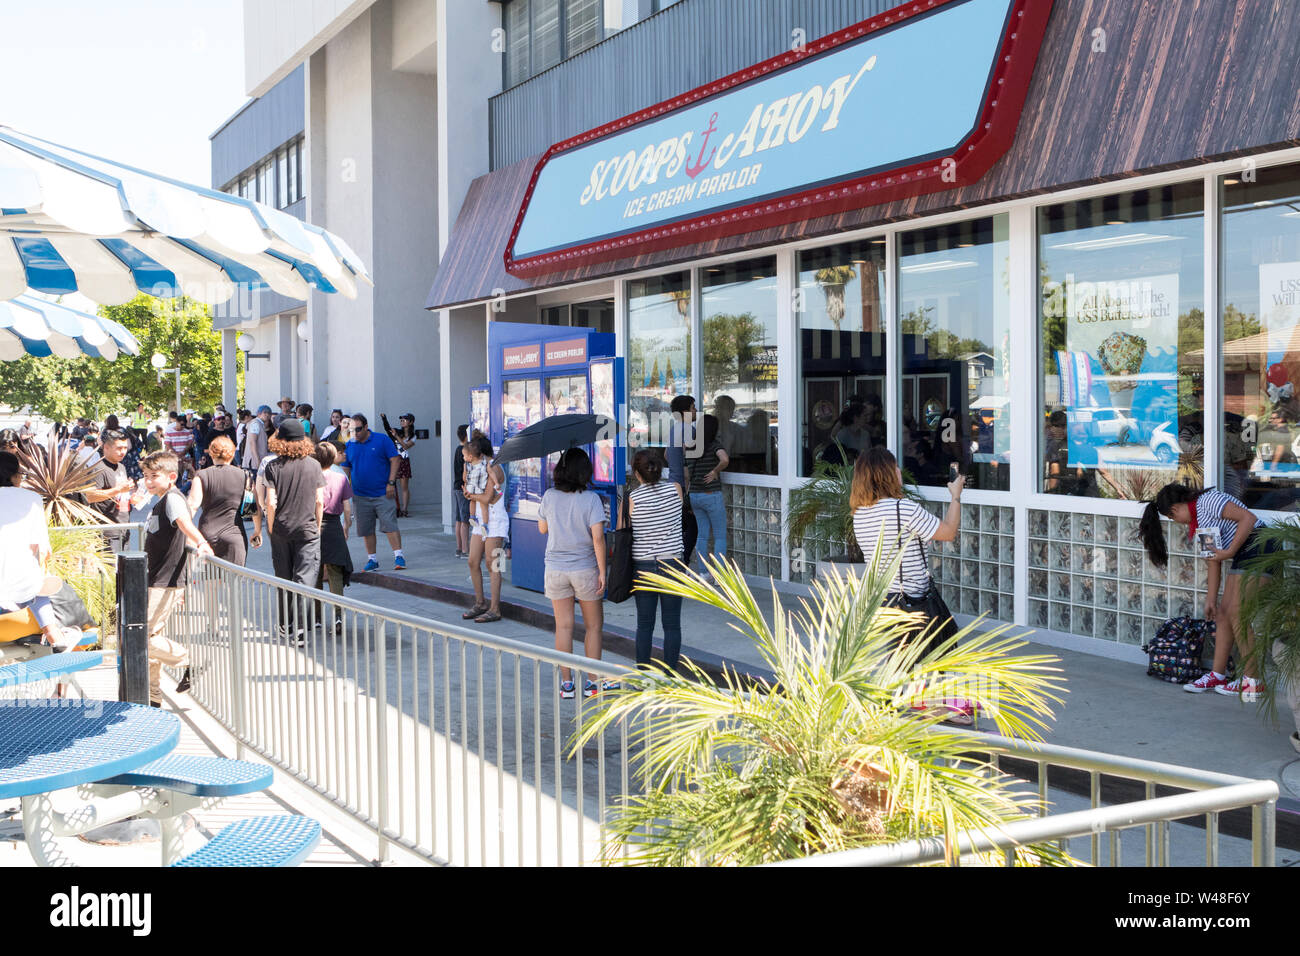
(181, 329)
(730, 342)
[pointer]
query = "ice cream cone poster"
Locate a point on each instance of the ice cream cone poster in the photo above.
(1122, 324)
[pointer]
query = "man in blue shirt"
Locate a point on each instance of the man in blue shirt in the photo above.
(372, 461)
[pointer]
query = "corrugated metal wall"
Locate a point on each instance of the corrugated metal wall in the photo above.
(268, 122)
(684, 46)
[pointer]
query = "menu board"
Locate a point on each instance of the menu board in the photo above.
(602, 403)
(521, 406)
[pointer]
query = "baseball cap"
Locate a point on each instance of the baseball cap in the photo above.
(290, 430)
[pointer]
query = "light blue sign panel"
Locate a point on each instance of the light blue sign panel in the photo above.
(894, 97)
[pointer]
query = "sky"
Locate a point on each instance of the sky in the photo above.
(140, 82)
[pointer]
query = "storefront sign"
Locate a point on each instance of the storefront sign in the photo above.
(919, 99)
(519, 357)
(567, 352)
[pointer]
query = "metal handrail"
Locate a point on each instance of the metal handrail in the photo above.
(419, 623)
(374, 720)
(1060, 827)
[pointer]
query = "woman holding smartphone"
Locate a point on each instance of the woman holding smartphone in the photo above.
(1236, 527)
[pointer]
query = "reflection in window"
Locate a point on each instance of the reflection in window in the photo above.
(1121, 308)
(1261, 338)
(841, 351)
(541, 33)
(738, 336)
(659, 353)
(954, 303)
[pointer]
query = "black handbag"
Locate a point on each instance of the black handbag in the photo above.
(940, 626)
(618, 581)
(690, 529)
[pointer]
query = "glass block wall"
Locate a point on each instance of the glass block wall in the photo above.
(1089, 576)
(754, 528)
(976, 572)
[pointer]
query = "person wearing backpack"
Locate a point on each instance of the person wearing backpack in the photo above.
(1237, 528)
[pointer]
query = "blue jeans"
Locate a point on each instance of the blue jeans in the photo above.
(711, 516)
(645, 615)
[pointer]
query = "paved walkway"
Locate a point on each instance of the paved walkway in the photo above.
(1112, 706)
(343, 842)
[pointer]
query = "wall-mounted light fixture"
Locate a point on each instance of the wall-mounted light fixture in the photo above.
(246, 343)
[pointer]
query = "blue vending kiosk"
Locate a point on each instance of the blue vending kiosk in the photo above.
(536, 371)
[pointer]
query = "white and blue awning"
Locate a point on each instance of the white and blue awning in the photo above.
(30, 325)
(73, 222)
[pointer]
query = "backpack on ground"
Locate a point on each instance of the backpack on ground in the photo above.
(1175, 652)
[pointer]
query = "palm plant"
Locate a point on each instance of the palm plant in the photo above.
(830, 756)
(819, 509)
(833, 280)
(58, 476)
(79, 557)
(1270, 607)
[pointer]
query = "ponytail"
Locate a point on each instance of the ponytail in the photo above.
(1149, 528)
(1153, 535)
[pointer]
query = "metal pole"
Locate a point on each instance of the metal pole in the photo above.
(133, 627)
(178, 390)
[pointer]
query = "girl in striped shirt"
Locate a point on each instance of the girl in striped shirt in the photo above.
(1239, 541)
(655, 506)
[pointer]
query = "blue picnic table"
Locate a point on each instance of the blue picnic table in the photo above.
(52, 666)
(124, 751)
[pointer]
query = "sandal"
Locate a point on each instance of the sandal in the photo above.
(474, 612)
(487, 618)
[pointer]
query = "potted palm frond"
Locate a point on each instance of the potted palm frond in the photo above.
(1270, 607)
(60, 477)
(78, 554)
(819, 519)
(835, 753)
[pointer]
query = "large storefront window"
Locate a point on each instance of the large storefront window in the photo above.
(1122, 335)
(659, 353)
(841, 351)
(1261, 337)
(738, 302)
(955, 323)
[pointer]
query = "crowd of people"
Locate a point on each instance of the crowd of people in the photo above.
(207, 476)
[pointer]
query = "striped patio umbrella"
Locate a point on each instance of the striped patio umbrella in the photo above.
(73, 222)
(30, 325)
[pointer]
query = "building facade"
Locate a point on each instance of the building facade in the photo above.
(1057, 250)
(380, 109)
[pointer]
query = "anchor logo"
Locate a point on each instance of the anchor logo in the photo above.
(700, 164)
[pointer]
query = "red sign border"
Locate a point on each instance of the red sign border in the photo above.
(974, 156)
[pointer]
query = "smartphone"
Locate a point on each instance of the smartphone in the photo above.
(953, 473)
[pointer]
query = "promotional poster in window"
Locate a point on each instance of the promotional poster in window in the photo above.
(1119, 372)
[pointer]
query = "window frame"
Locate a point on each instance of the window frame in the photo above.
(562, 28)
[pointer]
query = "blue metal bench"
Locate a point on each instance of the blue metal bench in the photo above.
(198, 776)
(259, 841)
(50, 667)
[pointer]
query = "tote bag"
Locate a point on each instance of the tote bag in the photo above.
(618, 583)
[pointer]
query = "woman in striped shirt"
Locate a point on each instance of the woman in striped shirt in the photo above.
(1238, 540)
(655, 507)
(884, 518)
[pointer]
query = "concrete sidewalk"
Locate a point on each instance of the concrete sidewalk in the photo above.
(1112, 706)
